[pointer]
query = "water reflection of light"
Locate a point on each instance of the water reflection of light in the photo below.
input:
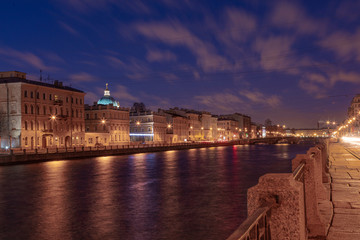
(102, 194)
(53, 223)
(140, 191)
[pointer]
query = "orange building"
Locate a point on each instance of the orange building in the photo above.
(36, 114)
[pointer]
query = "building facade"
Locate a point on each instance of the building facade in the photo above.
(147, 127)
(227, 129)
(354, 108)
(177, 127)
(36, 114)
(106, 123)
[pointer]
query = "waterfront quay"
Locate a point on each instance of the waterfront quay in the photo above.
(20, 156)
(319, 200)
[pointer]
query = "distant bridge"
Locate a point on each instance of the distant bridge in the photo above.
(290, 140)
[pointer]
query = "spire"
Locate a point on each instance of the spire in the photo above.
(107, 92)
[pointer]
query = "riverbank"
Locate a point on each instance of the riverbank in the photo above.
(35, 156)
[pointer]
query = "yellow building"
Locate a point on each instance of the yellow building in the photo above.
(106, 122)
(36, 114)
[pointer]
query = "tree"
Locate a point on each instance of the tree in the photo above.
(138, 107)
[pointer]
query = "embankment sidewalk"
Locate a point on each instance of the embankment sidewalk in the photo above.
(345, 191)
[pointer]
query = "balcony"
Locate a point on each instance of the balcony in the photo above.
(47, 130)
(58, 102)
(62, 117)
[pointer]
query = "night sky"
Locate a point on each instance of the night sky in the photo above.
(296, 63)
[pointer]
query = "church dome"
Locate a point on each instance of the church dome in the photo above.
(107, 99)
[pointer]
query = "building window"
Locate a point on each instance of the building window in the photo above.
(26, 141)
(77, 113)
(72, 100)
(32, 125)
(67, 99)
(26, 127)
(26, 109)
(95, 115)
(50, 109)
(38, 95)
(44, 96)
(25, 93)
(31, 94)
(80, 101)
(76, 101)
(31, 109)
(44, 110)
(87, 116)
(90, 140)
(37, 110)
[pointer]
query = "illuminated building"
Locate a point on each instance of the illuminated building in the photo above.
(227, 129)
(354, 108)
(177, 127)
(106, 123)
(147, 126)
(244, 123)
(36, 114)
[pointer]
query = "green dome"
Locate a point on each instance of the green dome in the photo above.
(107, 99)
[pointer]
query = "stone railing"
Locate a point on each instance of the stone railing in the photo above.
(290, 205)
(19, 156)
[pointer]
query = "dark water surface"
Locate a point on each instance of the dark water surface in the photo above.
(189, 194)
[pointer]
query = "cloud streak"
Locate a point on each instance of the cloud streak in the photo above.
(175, 34)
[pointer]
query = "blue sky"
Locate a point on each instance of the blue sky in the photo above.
(293, 62)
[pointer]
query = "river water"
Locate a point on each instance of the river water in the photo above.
(188, 194)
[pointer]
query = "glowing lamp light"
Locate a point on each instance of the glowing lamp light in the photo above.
(53, 117)
(169, 126)
(103, 121)
(202, 128)
(191, 127)
(138, 123)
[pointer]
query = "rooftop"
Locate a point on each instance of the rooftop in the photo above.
(56, 84)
